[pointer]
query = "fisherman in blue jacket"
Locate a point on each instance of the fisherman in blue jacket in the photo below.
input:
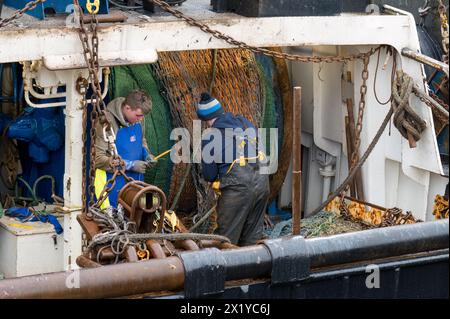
(230, 161)
(125, 115)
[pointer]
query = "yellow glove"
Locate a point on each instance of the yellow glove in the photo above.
(216, 187)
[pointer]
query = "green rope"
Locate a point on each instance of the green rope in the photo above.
(33, 199)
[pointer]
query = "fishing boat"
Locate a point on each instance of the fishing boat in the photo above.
(355, 94)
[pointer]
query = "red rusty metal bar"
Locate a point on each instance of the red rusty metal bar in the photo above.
(103, 282)
(297, 161)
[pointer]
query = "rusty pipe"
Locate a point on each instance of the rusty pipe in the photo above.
(103, 282)
(167, 274)
(297, 161)
(85, 262)
(187, 244)
(416, 56)
(106, 254)
(155, 249)
(207, 243)
(113, 17)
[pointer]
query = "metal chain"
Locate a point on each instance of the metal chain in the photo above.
(279, 55)
(359, 125)
(17, 14)
(99, 112)
(437, 99)
(433, 107)
(355, 169)
(361, 109)
(389, 217)
(444, 29)
(292, 57)
(440, 207)
(81, 87)
(396, 216)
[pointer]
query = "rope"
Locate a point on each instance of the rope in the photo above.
(406, 120)
(355, 169)
(127, 239)
(203, 219)
(120, 233)
(214, 71)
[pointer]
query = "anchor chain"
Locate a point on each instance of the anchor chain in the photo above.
(17, 14)
(279, 55)
(99, 112)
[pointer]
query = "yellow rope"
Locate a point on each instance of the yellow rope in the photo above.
(242, 160)
(163, 154)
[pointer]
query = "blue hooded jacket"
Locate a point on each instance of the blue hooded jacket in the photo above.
(226, 143)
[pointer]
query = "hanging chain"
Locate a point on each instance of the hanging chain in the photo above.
(444, 29)
(279, 55)
(81, 87)
(359, 126)
(99, 112)
(438, 113)
(17, 14)
(361, 109)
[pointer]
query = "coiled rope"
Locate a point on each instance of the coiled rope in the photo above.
(406, 120)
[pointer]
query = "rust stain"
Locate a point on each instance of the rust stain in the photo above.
(69, 184)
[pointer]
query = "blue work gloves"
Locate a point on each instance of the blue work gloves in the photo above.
(136, 166)
(140, 166)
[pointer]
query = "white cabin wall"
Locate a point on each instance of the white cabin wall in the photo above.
(387, 181)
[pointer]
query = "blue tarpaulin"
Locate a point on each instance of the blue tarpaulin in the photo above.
(25, 215)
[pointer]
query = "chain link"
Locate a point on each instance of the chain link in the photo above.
(438, 113)
(279, 55)
(361, 109)
(359, 126)
(396, 216)
(81, 87)
(17, 14)
(99, 114)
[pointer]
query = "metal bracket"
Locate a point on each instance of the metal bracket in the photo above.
(290, 260)
(204, 272)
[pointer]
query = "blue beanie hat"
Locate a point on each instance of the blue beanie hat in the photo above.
(208, 108)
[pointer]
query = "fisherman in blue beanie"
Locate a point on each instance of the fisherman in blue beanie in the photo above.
(234, 173)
